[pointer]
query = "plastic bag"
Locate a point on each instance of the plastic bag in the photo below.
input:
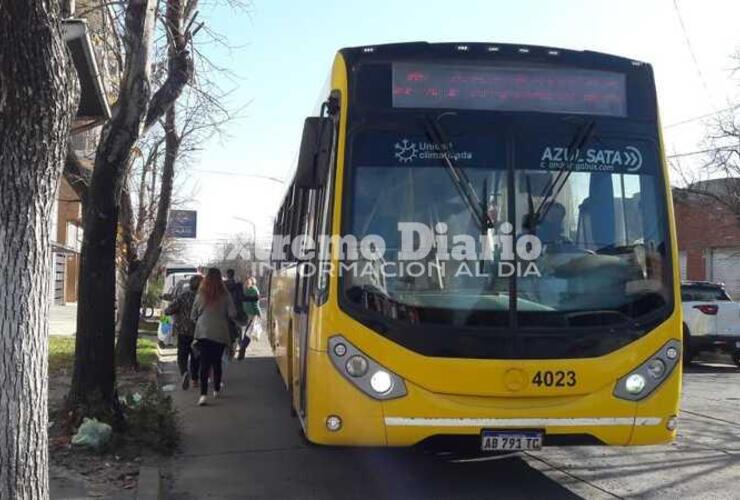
(92, 433)
(255, 329)
(164, 332)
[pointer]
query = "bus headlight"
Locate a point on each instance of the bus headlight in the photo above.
(356, 366)
(642, 381)
(656, 368)
(635, 383)
(363, 372)
(381, 382)
(340, 349)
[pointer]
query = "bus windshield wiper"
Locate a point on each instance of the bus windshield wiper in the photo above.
(553, 188)
(476, 207)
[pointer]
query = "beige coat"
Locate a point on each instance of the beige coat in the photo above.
(212, 322)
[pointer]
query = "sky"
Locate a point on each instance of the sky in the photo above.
(281, 53)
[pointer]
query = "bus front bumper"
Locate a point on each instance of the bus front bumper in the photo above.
(422, 416)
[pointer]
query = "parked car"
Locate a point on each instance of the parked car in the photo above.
(174, 280)
(711, 320)
(180, 287)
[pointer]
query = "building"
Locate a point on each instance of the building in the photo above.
(93, 110)
(709, 232)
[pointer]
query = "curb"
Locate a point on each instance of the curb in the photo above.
(150, 484)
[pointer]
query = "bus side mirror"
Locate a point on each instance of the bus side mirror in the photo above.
(315, 153)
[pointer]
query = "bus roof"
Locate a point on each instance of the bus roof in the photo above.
(489, 51)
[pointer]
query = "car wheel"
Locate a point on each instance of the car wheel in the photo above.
(688, 353)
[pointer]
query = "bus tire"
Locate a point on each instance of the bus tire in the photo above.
(688, 353)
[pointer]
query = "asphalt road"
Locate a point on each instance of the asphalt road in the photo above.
(246, 445)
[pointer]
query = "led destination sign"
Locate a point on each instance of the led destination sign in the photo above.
(502, 88)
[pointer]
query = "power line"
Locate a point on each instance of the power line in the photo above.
(237, 174)
(700, 151)
(691, 50)
(707, 115)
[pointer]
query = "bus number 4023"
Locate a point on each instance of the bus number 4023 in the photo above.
(554, 378)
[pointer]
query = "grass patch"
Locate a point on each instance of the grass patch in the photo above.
(146, 351)
(62, 352)
(147, 421)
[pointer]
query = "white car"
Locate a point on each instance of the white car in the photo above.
(711, 320)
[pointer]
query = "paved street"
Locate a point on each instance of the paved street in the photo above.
(246, 445)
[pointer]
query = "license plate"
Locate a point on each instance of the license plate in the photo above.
(511, 441)
(737, 344)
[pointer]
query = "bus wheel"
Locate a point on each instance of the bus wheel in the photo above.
(688, 353)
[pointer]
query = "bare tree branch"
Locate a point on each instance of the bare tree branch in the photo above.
(180, 64)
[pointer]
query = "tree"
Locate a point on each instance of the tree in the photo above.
(237, 253)
(717, 177)
(38, 97)
(137, 109)
(143, 228)
(139, 269)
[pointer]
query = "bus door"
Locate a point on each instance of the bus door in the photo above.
(313, 216)
(301, 309)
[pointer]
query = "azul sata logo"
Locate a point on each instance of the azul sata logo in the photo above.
(406, 151)
(628, 158)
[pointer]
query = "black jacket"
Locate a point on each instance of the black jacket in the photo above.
(236, 290)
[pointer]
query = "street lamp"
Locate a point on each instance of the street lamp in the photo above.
(254, 228)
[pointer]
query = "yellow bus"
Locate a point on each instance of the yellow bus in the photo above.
(478, 248)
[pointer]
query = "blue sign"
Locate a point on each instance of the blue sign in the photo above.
(182, 224)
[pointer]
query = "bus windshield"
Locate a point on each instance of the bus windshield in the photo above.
(572, 237)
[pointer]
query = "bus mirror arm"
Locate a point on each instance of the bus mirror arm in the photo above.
(315, 153)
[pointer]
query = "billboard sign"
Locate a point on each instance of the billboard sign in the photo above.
(182, 224)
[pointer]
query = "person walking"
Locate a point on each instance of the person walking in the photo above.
(236, 291)
(252, 311)
(213, 311)
(184, 329)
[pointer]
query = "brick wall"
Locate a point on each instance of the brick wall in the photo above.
(703, 223)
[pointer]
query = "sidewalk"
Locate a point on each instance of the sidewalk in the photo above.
(223, 442)
(246, 445)
(63, 320)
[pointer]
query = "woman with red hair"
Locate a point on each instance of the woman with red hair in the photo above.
(213, 311)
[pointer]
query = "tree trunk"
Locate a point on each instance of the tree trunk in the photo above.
(93, 389)
(38, 94)
(139, 271)
(128, 337)
(93, 381)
